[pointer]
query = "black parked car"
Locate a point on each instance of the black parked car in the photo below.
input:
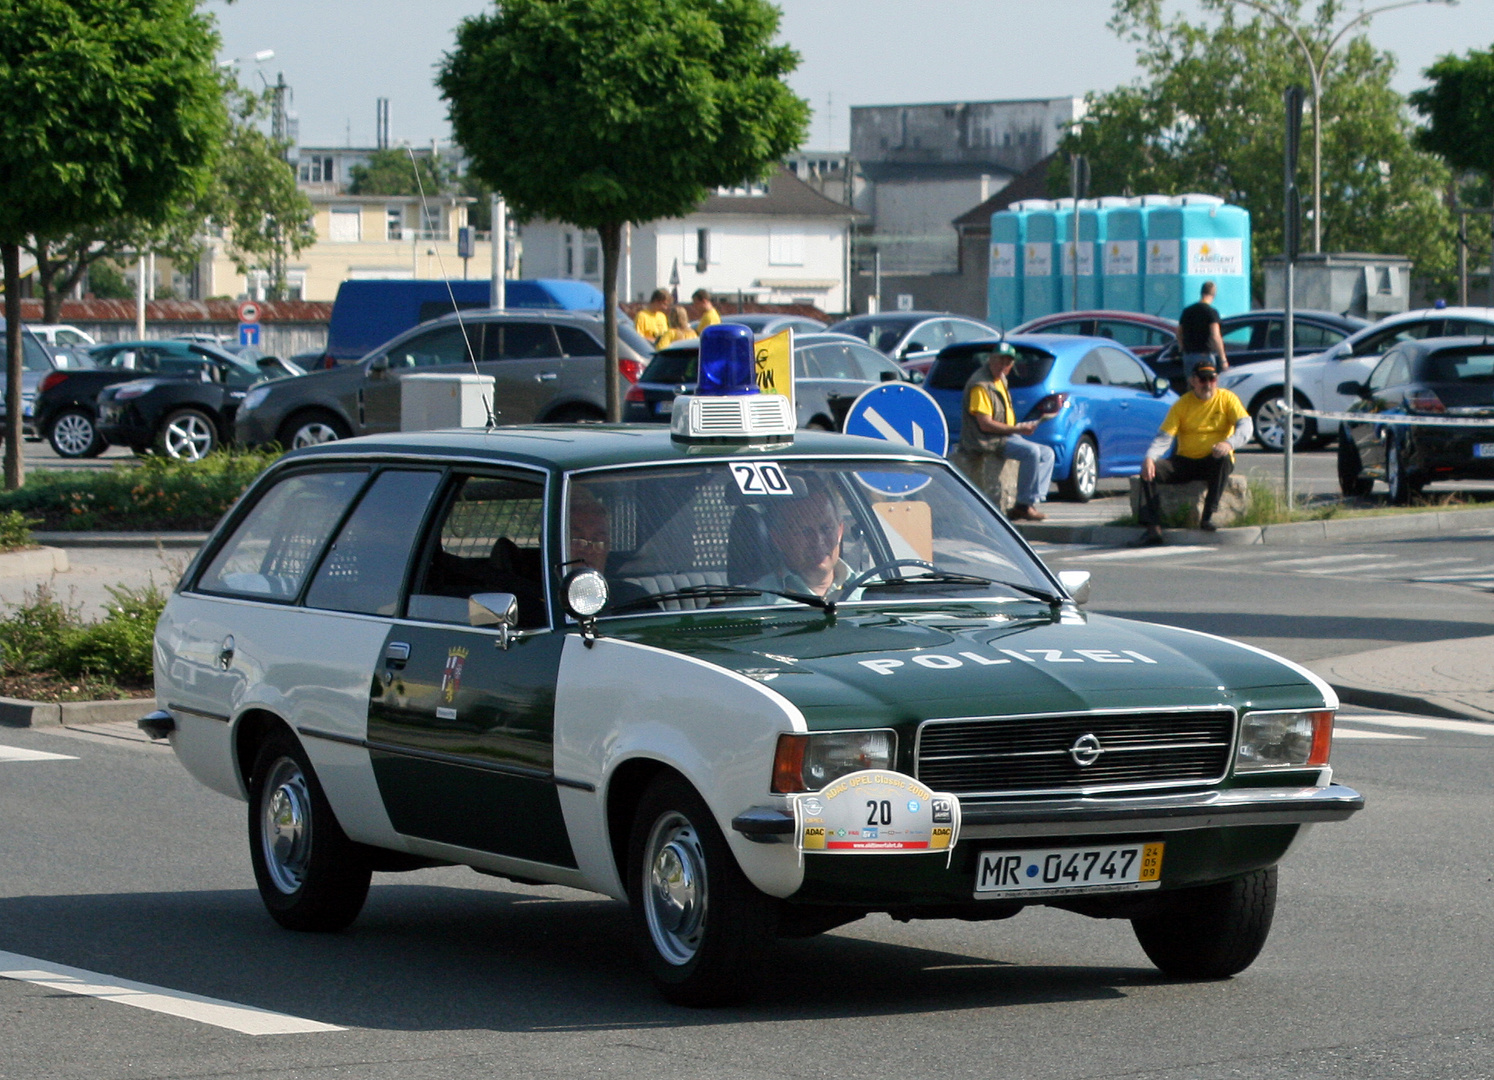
(1261, 335)
(178, 396)
(1439, 378)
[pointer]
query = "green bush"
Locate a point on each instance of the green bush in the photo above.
(15, 531)
(156, 493)
(42, 636)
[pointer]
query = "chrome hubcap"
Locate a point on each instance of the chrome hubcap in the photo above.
(73, 434)
(1270, 424)
(1086, 469)
(675, 904)
(313, 434)
(188, 438)
(285, 825)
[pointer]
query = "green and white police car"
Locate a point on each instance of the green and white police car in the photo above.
(753, 684)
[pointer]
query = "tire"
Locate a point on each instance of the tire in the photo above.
(73, 434)
(1084, 472)
(1211, 932)
(187, 435)
(1268, 415)
(1350, 481)
(702, 929)
(310, 875)
(1404, 485)
(312, 429)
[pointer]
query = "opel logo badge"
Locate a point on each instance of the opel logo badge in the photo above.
(1086, 750)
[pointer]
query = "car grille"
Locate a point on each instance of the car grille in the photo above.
(1033, 755)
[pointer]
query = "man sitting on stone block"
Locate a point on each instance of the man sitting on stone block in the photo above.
(989, 431)
(1209, 425)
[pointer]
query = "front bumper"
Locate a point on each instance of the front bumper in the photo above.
(253, 428)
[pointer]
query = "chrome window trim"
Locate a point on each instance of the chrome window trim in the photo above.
(1090, 789)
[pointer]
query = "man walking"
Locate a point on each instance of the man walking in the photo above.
(709, 316)
(989, 433)
(1209, 425)
(653, 318)
(1199, 337)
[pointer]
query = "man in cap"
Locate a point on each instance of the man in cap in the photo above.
(1209, 425)
(989, 433)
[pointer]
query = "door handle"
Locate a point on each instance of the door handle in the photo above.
(547, 376)
(225, 653)
(396, 653)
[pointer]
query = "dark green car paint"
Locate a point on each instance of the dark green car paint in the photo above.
(483, 777)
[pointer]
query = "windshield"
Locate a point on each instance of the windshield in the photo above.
(749, 531)
(880, 334)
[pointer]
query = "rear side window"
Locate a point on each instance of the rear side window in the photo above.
(672, 366)
(275, 545)
(1131, 334)
(576, 342)
(365, 566)
(520, 341)
(1031, 368)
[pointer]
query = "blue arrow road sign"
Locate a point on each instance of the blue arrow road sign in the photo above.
(249, 333)
(901, 414)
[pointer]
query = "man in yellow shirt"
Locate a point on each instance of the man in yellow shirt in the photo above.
(1209, 425)
(709, 316)
(653, 318)
(989, 434)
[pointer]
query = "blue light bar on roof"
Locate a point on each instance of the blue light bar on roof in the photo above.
(726, 365)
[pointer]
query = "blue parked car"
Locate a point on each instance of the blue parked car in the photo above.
(1109, 403)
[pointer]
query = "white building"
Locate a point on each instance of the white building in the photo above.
(775, 242)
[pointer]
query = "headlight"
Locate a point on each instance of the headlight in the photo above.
(254, 398)
(139, 388)
(1273, 740)
(809, 762)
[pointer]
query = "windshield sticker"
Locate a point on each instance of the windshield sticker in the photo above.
(760, 478)
(945, 662)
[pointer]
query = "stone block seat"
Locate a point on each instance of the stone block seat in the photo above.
(991, 473)
(1185, 502)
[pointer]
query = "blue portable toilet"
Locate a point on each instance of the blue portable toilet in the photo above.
(1091, 242)
(1193, 239)
(1039, 265)
(1004, 283)
(1120, 240)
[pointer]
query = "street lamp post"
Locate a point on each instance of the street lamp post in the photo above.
(1317, 69)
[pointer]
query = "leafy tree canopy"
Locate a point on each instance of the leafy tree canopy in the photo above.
(391, 172)
(1459, 108)
(1207, 116)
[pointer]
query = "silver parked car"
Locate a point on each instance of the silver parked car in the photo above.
(548, 368)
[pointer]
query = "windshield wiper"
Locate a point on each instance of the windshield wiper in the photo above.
(712, 592)
(947, 577)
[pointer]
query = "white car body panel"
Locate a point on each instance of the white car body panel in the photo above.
(619, 700)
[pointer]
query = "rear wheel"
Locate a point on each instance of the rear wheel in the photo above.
(187, 435)
(1350, 480)
(1268, 415)
(73, 435)
(1084, 473)
(312, 429)
(310, 875)
(1211, 932)
(702, 928)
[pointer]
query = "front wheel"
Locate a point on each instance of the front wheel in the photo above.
(1213, 931)
(702, 928)
(1084, 473)
(1268, 415)
(310, 875)
(73, 435)
(312, 429)
(187, 435)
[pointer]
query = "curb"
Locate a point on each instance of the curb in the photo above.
(1328, 531)
(192, 540)
(33, 562)
(1407, 703)
(16, 712)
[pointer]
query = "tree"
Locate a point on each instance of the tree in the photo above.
(603, 112)
(1207, 116)
(107, 108)
(391, 172)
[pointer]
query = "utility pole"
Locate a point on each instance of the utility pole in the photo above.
(1291, 241)
(1079, 186)
(279, 131)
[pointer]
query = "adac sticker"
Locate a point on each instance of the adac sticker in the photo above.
(876, 812)
(451, 677)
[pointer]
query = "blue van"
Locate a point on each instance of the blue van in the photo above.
(368, 313)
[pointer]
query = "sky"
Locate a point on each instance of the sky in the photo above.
(339, 56)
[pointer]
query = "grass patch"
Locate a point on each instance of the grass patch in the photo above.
(49, 653)
(156, 493)
(15, 531)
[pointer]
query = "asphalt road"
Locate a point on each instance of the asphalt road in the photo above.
(115, 862)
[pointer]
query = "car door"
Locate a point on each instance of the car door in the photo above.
(528, 368)
(448, 349)
(1138, 411)
(1092, 392)
(461, 716)
(1371, 439)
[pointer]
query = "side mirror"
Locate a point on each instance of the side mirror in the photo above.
(915, 377)
(914, 347)
(498, 609)
(1160, 386)
(1350, 387)
(1076, 584)
(378, 367)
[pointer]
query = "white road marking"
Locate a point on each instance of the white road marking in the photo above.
(1146, 553)
(1355, 733)
(16, 753)
(1477, 573)
(1426, 723)
(205, 1010)
(1317, 559)
(1384, 563)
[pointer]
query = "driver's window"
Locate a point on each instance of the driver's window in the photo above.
(1091, 371)
(1378, 344)
(1384, 373)
(443, 346)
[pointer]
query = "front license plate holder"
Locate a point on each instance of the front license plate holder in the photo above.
(1069, 871)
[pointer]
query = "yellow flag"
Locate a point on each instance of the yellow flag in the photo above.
(775, 364)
